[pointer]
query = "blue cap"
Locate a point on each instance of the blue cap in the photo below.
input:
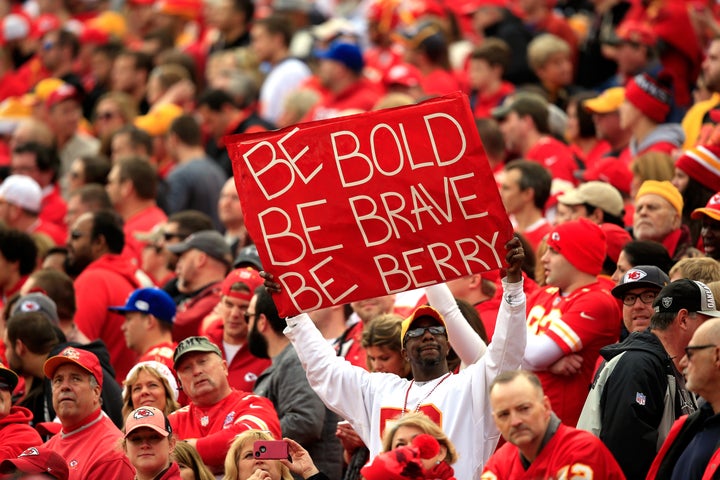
(153, 301)
(348, 54)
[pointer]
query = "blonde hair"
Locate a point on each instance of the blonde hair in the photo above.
(391, 100)
(422, 422)
(233, 455)
(653, 166)
(170, 403)
(542, 47)
(702, 269)
(187, 455)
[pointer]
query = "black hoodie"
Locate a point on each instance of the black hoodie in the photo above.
(633, 401)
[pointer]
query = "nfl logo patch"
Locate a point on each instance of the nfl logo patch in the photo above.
(640, 398)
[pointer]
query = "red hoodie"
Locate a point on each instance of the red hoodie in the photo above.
(16, 434)
(106, 282)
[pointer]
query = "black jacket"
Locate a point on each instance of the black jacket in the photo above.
(633, 401)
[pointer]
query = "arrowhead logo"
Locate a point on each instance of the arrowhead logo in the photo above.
(634, 275)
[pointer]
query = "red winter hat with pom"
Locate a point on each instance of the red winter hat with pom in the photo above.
(403, 463)
(652, 96)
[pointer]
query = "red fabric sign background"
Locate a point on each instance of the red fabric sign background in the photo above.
(372, 204)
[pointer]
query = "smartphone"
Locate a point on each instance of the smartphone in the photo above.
(271, 450)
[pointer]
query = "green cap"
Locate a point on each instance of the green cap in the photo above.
(194, 344)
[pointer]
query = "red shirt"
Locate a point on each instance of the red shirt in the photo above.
(599, 150)
(162, 352)
(245, 367)
(485, 102)
(582, 322)
(53, 208)
(55, 233)
(106, 282)
(360, 95)
(537, 232)
(143, 221)
(556, 157)
(91, 450)
(440, 82)
(570, 453)
(215, 427)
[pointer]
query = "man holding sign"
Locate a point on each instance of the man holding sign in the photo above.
(458, 403)
(399, 192)
(372, 205)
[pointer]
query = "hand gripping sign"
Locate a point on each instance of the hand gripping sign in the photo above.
(371, 204)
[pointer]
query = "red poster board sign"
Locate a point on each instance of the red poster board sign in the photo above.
(372, 204)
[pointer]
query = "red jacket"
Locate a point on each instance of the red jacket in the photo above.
(93, 450)
(192, 311)
(16, 434)
(106, 282)
(215, 427)
(245, 367)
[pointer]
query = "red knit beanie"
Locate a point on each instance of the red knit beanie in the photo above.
(582, 243)
(702, 164)
(652, 96)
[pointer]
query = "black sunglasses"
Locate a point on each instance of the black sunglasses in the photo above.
(420, 331)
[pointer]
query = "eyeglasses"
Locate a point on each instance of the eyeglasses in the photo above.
(48, 45)
(248, 316)
(645, 297)
(420, 331)
(169, 236)
(691, 349)
(5, 387)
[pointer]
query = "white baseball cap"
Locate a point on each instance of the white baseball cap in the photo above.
(22, 191)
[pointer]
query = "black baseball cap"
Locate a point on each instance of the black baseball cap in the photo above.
(691, 295)
(647, 276)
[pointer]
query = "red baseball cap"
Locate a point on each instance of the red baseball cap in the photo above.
(45, 23)
(62, 93)
(82, 358)
(249, 276)
(403, 74)
(712, 209)
(636, 32)
(38, 460)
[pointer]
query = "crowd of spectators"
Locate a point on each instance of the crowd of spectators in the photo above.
(140, 341)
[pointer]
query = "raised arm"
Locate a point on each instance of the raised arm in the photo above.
(464, 340)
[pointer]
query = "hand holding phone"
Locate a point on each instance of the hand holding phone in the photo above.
(271, 450)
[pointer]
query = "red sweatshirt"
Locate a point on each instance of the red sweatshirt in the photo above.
(16, 434)
(107, 281)
(215, 427)
(93, 450)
